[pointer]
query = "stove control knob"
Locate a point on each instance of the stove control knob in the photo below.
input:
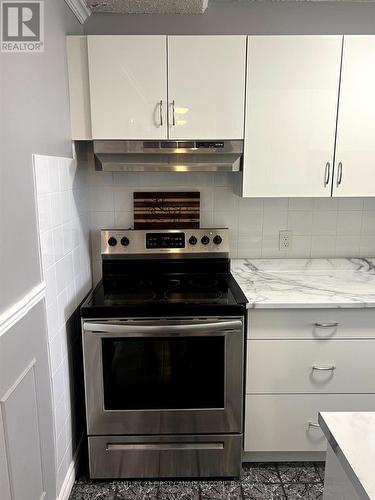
(193, 240)
(205, 240)
(112, 242)
(125, 241)
(217, 240)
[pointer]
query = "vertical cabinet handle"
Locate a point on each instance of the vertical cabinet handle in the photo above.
(327, 174)
(173, 113)
(161, 113)
(339, 173)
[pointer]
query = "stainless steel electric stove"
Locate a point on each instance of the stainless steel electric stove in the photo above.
(163, 338)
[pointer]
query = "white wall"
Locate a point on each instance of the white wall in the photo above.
(34, 111)
(62, 197)
(322, 227)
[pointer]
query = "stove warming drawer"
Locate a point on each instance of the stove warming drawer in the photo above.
(164, 456)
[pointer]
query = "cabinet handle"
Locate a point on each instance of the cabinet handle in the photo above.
(313, 424)
(173, 113)
(161, 113)
(326, 325)
(339, 174)
(327, 173)
(323, 368)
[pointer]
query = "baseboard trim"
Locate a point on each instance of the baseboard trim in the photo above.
(70, 477)
(284, 456)
(18, 310)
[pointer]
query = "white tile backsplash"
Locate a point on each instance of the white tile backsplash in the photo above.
(322, 227)
(62, 194)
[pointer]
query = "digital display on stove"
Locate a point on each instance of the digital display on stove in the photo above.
(165, 240)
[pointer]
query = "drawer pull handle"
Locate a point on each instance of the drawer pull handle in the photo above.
(313, 424)
(164, 446)
(326, 325)
(324, 368)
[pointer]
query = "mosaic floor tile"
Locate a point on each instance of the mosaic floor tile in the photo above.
(84, 490)
(298, 473)
(137, 490)
(304, 491)
(320, 467)
(259, 481)
(220, 490)
(260, 473)
(259, 491)
(183, 490)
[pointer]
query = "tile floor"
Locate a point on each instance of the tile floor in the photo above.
(259, 481)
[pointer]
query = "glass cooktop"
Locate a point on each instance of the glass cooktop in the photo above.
(174, 289)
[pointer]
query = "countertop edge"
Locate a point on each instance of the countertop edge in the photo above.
(308, 305)
(352, 476)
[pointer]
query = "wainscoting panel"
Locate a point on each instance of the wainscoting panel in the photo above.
(19, 411)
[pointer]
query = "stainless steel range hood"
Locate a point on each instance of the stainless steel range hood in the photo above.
(168, 156)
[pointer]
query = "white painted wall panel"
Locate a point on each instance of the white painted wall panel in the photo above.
(19, 408)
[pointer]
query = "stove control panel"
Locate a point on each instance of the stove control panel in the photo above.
(130, 242)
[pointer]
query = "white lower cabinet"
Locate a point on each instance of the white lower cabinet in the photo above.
(282, 422)
(295, 369)
(311, 366)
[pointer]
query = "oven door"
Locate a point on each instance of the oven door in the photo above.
(164, 376)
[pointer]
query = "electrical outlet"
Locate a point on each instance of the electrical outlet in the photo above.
(285, 240)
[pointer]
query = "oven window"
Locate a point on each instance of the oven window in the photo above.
(159, 373)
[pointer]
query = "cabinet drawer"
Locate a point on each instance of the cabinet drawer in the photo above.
(281, 422)
(286, 366)
(311, 323)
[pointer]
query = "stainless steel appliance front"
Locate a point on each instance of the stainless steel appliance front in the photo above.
(165, 456)
(223, 345)
(166, 392)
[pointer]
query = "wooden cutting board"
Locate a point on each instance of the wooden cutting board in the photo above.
(166, 210)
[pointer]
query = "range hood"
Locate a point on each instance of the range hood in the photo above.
(168, 156)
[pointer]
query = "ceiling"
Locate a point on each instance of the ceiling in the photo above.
(163, 6)
(149, 6)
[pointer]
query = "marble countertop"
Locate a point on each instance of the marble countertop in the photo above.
(306, 283)
(352, 438)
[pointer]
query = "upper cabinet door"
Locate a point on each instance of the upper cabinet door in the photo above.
(355, 145)
(291, 105)
(206, 86)
(128, 87)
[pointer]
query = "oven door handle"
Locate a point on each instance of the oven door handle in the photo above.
(163, 330)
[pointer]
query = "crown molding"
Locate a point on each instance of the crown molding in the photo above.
(80, 9)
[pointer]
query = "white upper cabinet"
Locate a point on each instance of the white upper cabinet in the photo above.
(355, 146)
(128, 87)
(291, 105)
(206, 86)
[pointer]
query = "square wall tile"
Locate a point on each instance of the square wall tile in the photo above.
(300, 221)
(274, 221)
(323, 246)
(368, 222)
(347, 246)
(225, 200)
(349, 222)
(324, 223)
